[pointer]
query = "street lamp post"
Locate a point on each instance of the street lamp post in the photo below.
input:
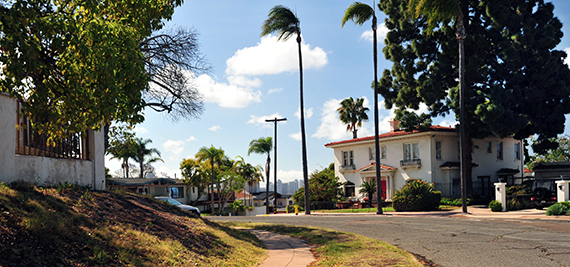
(275, 120)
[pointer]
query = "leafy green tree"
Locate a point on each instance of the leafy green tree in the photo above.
(437, 11)
(352, 113)
(368, 188)
(212, 156)
(360, 13)
(281, 19)
(323, 186)
(195, 173)
(77, 65)
(237, 206)
(143, 154)
(561, 153)
(516, 83)
(229, 180)
(263, 145)
(251, 174)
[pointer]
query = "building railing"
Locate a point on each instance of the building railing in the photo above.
(347, 168)
(415, 163)
(31, 143)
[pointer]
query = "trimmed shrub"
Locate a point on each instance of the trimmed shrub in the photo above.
(557, 209)
(416, 195)
(454, 201)
(518, 203)
(496, 206)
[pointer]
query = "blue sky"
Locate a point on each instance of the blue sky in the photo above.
(256, 78)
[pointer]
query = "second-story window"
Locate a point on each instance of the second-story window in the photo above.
(438, 150)
(371, 153)
(489, 147)
(500, 150)
(383, 152)
(517, 151)
(347, 158)
(411, 151)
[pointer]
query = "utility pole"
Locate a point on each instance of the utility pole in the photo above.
(275, 120)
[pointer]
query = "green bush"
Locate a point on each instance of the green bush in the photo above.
(496, 206)
(454, 201)
(557, 209)
(518, 204)
(416, 195)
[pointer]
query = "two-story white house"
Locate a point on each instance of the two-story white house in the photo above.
(432, 156)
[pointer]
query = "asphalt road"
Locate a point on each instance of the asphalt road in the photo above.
(450, 241)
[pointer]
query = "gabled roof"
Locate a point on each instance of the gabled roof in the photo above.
(397, 133)
(372, 166)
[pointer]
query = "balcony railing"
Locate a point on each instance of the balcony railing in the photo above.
(347, 168)
(415, 163)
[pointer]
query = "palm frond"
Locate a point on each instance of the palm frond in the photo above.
(358, 12)
(283, 21)
(436, 11)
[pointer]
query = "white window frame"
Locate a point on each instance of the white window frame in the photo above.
(411, 151)
(371, 153)
(348, 158)
(438, 150)
(383, 152)
(500, 150)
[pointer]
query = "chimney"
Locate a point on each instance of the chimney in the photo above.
(394, 125)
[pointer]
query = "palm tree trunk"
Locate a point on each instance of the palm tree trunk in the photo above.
(376, 130)
(212, 192)
(460, 33)
(303, 141)
(267, 171)
(141, 167)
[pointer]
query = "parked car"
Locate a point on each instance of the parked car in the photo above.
(543, 192)
(177, 203)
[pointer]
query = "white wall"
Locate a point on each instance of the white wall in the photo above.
(43, 170)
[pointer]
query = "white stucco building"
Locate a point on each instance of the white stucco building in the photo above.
(24, 156)
(432, 156)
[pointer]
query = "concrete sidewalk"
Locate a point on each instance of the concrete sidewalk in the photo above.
(284, 251)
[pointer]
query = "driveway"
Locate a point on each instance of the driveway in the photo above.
(451, 240)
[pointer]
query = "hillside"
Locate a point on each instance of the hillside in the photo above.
(70, 225)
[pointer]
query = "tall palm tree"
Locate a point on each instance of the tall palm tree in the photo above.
(212, 155)
(360, 13)
(123, 150)
(352, 113)
(282, 20)
(141, 152)
(263, 145)
(437, 11)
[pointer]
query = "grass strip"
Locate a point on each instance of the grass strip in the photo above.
(334, 248)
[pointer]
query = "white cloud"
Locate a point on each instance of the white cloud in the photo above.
(175, 147)
(308, 113)
(380, 34)
(296, 136)
(276, 90)
(215, 128)
(567, 60)
(260, 121)
(332, 128)
(271, 56)
(140, 130)
(230, 95)
(192, 138)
